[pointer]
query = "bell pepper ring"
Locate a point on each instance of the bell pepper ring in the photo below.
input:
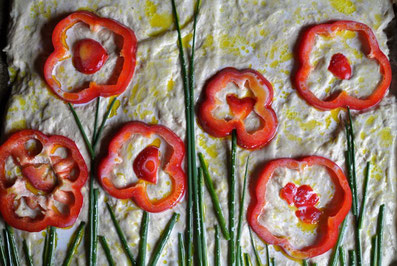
(342, 99)
(62, 52)
(260, 103)
(138, 190)
(49, 183)
(331, 217)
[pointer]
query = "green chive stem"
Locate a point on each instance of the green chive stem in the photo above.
(364, 200)
(28, 258)
(247, 260)
(335, 254)
(214, 198)
(121, 236)
(379, 232)
(163, 240)
(143, 240)
(267, 254)
(98, 99)
(82, 131)
(217, 247)
(374, 248)
(2, 253)
(352, 258)
(240, 218)
(352, 168)
(304, 263)
(14, 249)
(74, 244)
(98, 134)
(253, 245)
(51, 246)
(7, 248)
(45, 247)
(94, 246)
(197, 221)
(342, 256)
(182, 252)
(232, 203)
(191, 168)
(202, 218)
(106, 249)
(273, 261)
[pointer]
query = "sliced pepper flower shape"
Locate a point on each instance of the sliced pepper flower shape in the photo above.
(260, 103)
(138, 190)
(342, 99)
(90, 57)
(40, 181)
(332, 216)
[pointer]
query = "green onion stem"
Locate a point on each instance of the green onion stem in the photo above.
(214, 198)
(74, 244)
(232, 203)
(106, 249)
(257, 257)
(202, 219)
(163, 240)
(51, 246)
(28, 258)
(352, 258)
(217, 247)
(342, 256)
(240, 218)
(363, 202)
(143, 241)
(120, 233)
(335, 254)
(78, 122)
(14, 249)
(182, 252)
(304, 263)
(101, 127)
(379, 232)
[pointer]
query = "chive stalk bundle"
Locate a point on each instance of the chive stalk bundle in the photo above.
(93, 194)
(11, 246)
(188, 85)
(2, 253)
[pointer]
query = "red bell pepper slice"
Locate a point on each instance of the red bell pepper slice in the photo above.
(49, 184)
(137, 191)
(342, 99)
(62, 52)
(260, 103)
(331, 217)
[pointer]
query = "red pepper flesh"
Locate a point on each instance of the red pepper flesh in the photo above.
(89, 56)
(146, 164)
(138, 191)
(62, 52)
(340, 66)
(260, 103)
(50, 185)
(329, 221)
(342, 99)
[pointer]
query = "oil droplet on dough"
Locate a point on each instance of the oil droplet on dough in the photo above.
(344, 6)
